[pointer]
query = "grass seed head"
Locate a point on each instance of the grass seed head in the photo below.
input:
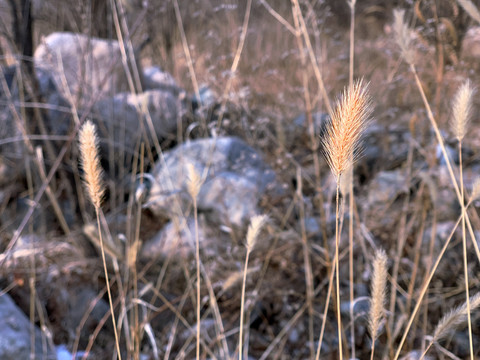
(194, 181)
(378, 293)
(90, 162)
(256, 224)
(476, 188)
(346, 126)
(455, 318)
(462, 109)
(403, 35)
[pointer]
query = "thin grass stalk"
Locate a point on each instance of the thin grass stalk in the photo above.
(351, 4)
(197, 260)
(236, 61)
(307, 262)
(465, 261)
(242, 306)
(337, 272)
(450, 171)
(351, 199)
(32, 274)
(445, 156)
(462, 106)
(132, 261)
(256, 224)
(96, 331)
(423, 291)
(316, 165)
(107, 282)
(325, 311)
(313, 59)
(186, 49)
(194, 183)
(417, 256)
(396, 264)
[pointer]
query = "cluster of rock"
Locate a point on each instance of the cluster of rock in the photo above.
(87, 76)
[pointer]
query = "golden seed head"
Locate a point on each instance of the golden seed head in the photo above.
(455, 318)
(403, 35)
(462, 109)
(90, 162)
(256, 224)
(348, 122)
(476, 188)
(378, 292)
(194, 181)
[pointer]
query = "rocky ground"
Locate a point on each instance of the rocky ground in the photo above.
(251, 133)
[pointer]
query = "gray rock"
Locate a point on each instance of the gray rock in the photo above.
(177, 239)
(12, 150)
(83, 66)
(234, 178)
(15, 334)
(320, 121)
(119, 121)
(386, 186)
(155, 78)
(471, 43)
(79, 302)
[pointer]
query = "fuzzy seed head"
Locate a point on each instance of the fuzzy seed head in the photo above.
(455, 318)
(194, 181)
(471, 9)
(90, 163)
(344, 131)
(256, 224)
(462, 109)
(403, 35)
(378, 293)
(476, 189)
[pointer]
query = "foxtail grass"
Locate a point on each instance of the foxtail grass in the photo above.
(471, 9)
(403, 38)
(256, 224)
(462, 108)
(90, 162)
(378, 293)
(453, 320)
(193, 187)
(348, 122)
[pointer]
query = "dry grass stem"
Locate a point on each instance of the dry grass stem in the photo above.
(349, 120)
(256, 224)
(346, 179)
(403, 35)
(462, 109)
(90, 162)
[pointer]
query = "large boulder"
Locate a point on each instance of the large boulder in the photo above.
(471, 44)
(15, 334)
(121, 118)
(234, 178)
(83, 66)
